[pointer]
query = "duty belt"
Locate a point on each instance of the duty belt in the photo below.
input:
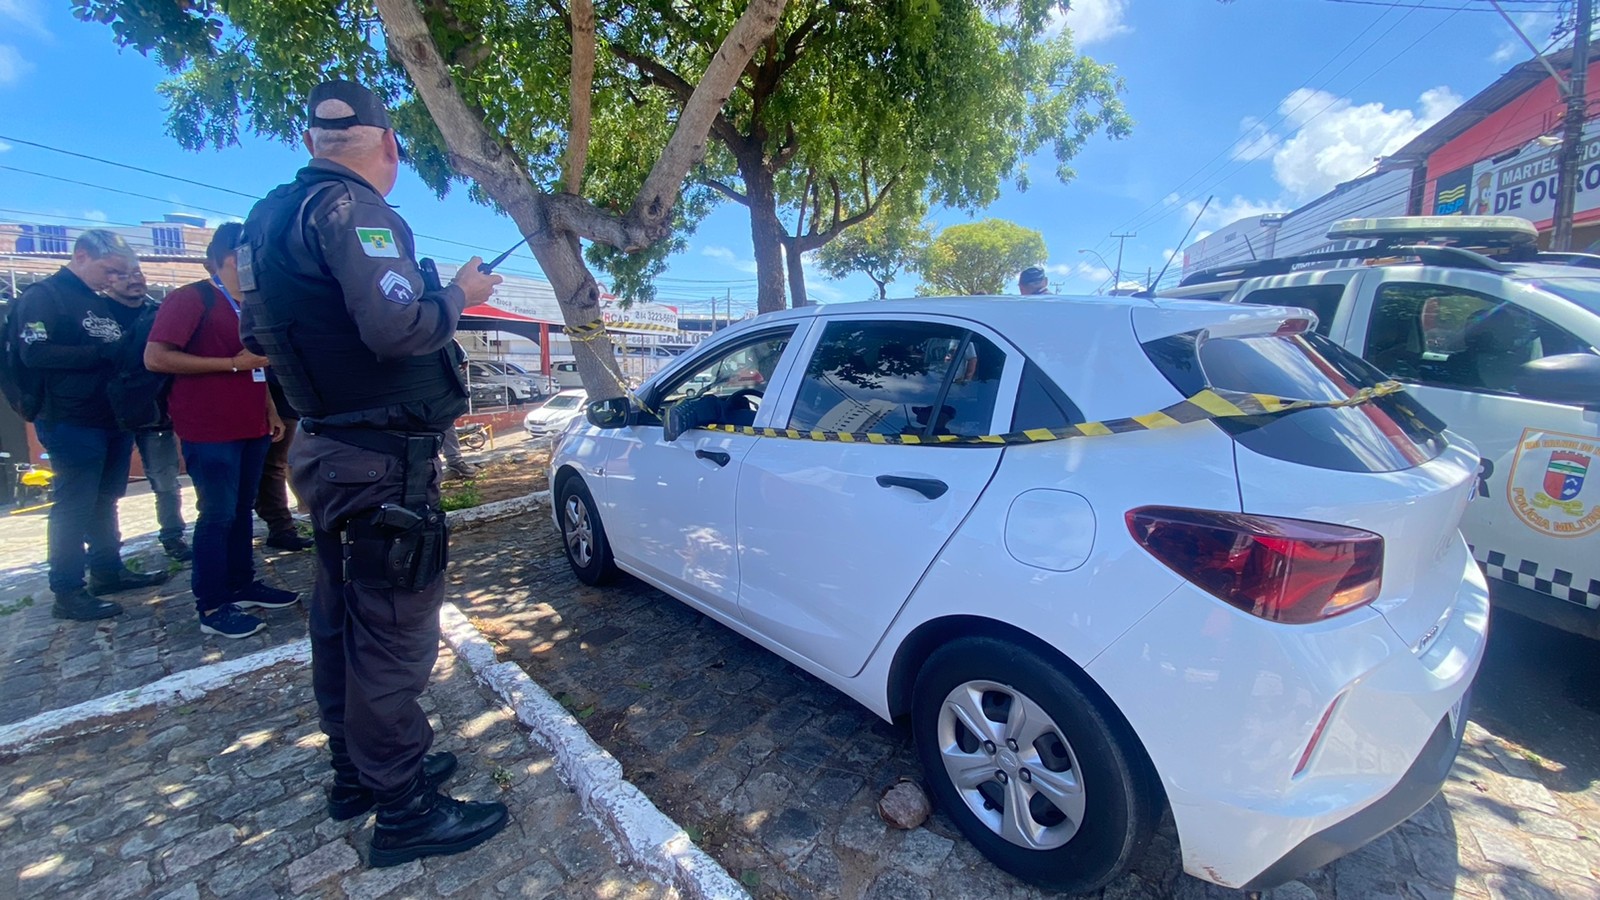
(416, 450)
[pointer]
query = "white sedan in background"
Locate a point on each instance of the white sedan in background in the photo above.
(555, 414)
(1268, 625)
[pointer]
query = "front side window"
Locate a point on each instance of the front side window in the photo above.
(902, 378)
(739, 376)
(1451, 337)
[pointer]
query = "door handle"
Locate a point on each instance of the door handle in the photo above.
(932, 488)
(716, 456)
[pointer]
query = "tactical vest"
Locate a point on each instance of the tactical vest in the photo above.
(300, 320)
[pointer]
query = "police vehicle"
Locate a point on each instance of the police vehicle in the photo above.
(1499, 340)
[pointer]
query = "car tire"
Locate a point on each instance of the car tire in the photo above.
(1083, 757)
(583, 537)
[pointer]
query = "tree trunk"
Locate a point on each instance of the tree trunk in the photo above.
(792, 258)
(883, 286)
(766, 234)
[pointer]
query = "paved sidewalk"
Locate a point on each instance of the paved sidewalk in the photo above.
(223, 798)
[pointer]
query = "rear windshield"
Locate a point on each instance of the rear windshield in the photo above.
(570, 401)
(1386, 435)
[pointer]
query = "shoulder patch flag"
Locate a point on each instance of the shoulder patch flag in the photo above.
(378, 242)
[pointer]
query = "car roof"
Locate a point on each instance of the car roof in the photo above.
(1524, 271)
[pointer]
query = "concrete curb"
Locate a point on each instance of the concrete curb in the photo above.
(648, 838)
(499, 509)
(191, 684)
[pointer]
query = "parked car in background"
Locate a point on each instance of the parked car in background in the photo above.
(543, 385)
(565, 374)
(1268, 625)
(1503, 348)
(556, 413)
(518, 386)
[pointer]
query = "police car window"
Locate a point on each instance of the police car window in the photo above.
(1583, 291)
(904, 378)
(744, 370)
(1452, 337)
(1322, 299)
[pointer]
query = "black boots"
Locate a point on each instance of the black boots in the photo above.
(419, 821)
(349, 798)
(81, 607)
(125, 580)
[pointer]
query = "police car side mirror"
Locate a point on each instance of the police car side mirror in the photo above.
(1571, 378)
(617, 412)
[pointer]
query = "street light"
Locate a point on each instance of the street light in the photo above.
(1102, 262)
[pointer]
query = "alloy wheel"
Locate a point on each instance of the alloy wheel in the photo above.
(580, 533)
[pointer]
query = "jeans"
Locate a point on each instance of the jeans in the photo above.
(158, 450)
(91, 475)
(225, 476)
(272, 499)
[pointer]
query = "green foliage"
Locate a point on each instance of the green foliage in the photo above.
(893, 239)
(464, 497)
(980, 257)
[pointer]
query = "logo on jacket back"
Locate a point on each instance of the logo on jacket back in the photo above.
(378, 242)
(33, 333)
(101, 327)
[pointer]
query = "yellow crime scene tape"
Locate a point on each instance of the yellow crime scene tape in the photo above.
(1208, 404)
(1205, 405)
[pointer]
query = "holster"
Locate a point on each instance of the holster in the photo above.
(404, 546)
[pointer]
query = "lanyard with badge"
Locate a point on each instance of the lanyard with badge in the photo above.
(256, 375)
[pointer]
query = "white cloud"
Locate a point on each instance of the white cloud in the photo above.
(1168, 254)
(1335, 140)
(1171, 199)
(1060, 269)
(96, 215)
(1091, 21)
(722, 253)
(25, 15)
(4, 146)
(1536, 25)
(1227, 212)
(12, 65)
(1257, 141)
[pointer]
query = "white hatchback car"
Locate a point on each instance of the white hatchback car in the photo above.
(556, 413)
(1267, 624)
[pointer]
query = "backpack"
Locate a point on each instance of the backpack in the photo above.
(139, 396)
(23, 387)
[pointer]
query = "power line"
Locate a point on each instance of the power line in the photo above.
(131, 168)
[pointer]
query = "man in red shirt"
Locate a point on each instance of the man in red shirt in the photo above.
(222, 412)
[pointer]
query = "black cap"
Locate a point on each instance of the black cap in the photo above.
(368, 108)
(1032, 275)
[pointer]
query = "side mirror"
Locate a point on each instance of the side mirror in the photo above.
(616, 412)
(1572, 378)
(692, 413)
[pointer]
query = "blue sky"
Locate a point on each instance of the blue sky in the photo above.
(1264, 103)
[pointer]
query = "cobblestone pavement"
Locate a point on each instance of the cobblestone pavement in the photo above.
(777, 774)
(223, 798)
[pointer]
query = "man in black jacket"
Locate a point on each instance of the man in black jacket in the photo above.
(139, 399)
(71, 336)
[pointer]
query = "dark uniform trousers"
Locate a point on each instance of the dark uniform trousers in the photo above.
(372, 650)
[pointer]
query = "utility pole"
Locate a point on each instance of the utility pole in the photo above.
(1116, 279)
(1572, 133)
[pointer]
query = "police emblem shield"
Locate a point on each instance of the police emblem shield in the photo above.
(1563, 477)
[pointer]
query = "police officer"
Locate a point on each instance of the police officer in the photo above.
(361, 343)
(1032, 281)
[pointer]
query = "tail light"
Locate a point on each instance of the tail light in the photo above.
(1284, 570)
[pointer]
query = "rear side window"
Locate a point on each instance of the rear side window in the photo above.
(1322, 299)
(891, 377)
(1386, 435)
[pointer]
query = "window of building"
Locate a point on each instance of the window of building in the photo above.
(167, 238)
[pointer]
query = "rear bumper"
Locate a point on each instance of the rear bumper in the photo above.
(1226, 705)
(1415, 789)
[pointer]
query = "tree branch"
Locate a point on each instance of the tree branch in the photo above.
(800, 217)
(580, 92)
(727, 191)
(654, 71)
(795, 43)
(816, 239)
(652, 208)
(786, 153)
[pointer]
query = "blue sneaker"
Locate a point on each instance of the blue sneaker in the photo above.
(261, 596)
(228, 621)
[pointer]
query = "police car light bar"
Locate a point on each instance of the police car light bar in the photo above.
(1476, 230)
